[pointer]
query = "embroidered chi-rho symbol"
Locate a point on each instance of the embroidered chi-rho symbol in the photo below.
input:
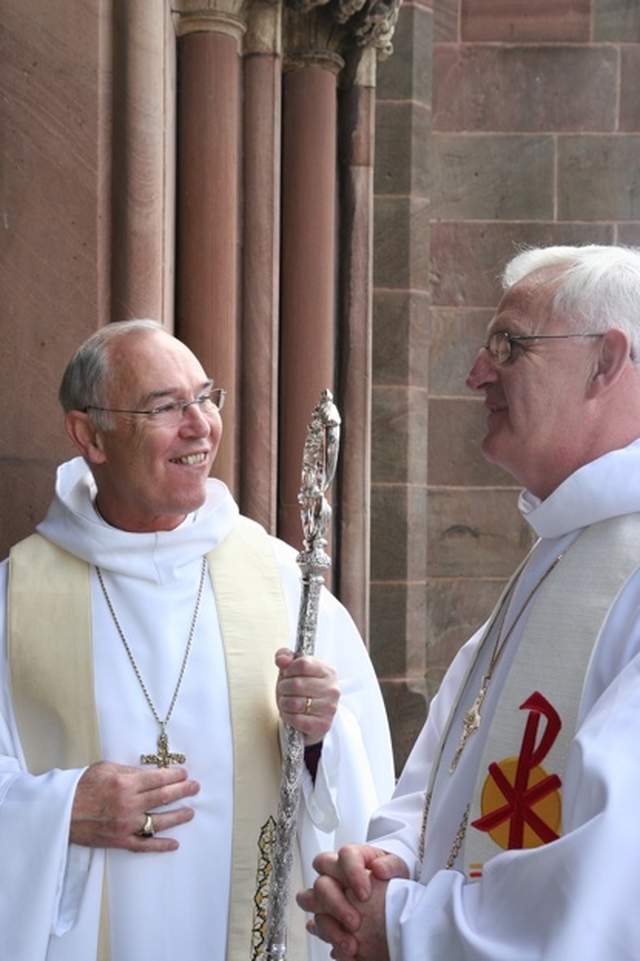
(521, 804)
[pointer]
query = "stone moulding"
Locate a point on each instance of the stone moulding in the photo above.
(216, 16)
(371, 23)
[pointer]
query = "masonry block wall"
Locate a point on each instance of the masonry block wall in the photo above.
(499, 124)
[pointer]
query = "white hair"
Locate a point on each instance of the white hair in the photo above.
(594, 287)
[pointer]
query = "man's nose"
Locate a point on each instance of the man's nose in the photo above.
(194, 418)
(482, 372)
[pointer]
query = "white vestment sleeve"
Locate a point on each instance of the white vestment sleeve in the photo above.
(355, 773)
(396, 825)
(42, 879)
(569, 899)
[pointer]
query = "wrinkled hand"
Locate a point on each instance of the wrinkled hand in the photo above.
(307, 694)
(112, 800)
(348, 900)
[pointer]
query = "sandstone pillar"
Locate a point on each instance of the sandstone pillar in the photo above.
(209, 99)
(356, 132)
(143, 162)
(308, 258)
(261, 262)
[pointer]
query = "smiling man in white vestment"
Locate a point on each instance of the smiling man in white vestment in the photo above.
(147, 640)
(514, 834)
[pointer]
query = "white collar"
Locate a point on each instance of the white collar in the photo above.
(73, 523)
(607, 487)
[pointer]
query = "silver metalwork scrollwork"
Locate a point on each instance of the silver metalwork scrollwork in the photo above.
(319, 459)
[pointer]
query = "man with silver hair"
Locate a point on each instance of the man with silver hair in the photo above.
(513, 833)
(146, 644)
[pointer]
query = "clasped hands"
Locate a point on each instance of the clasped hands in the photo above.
(347, 900)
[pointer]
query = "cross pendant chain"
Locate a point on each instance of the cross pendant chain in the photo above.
(164, 757)
(471, 721)
(472, 718)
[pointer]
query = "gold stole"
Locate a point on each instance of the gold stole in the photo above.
(517, 796)
(52, 685)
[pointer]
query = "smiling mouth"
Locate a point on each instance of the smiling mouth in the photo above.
(190, 459)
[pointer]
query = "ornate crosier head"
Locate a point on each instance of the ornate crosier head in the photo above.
(319, 460)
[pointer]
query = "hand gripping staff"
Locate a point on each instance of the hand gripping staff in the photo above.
(319, 459)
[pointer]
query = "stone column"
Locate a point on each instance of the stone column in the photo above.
(261, 262)
(208, 221)
(308, 247)
(356, 132)
(143, 162)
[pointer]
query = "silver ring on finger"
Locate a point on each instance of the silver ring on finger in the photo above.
(147, 830)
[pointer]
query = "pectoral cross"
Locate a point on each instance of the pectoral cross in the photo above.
(164, 757)
(471, 721)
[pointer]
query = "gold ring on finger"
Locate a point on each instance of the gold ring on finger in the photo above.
(147, 830)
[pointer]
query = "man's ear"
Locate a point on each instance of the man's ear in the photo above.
(614, 356)
(87, 438)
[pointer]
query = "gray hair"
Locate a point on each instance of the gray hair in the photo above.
(85, 382)
(595, 287)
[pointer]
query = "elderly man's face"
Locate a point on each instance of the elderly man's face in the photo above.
(537, 401)
(151, 476)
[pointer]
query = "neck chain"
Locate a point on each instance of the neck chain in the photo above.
(163, 757)
(472, 719)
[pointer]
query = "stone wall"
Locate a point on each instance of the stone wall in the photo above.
(498, 124)
(52, 233)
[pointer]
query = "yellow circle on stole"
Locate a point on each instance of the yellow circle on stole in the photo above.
(548, 809)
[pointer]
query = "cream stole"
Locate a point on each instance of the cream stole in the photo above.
(537, 714)
(52, 686)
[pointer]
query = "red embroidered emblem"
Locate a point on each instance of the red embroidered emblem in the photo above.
(520, 803)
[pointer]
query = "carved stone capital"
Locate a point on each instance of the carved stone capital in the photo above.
(371, 23)
(377, 26)
(210, 16)
(313, 39)
(264, 27)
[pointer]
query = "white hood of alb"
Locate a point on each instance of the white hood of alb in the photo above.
(73, 523)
